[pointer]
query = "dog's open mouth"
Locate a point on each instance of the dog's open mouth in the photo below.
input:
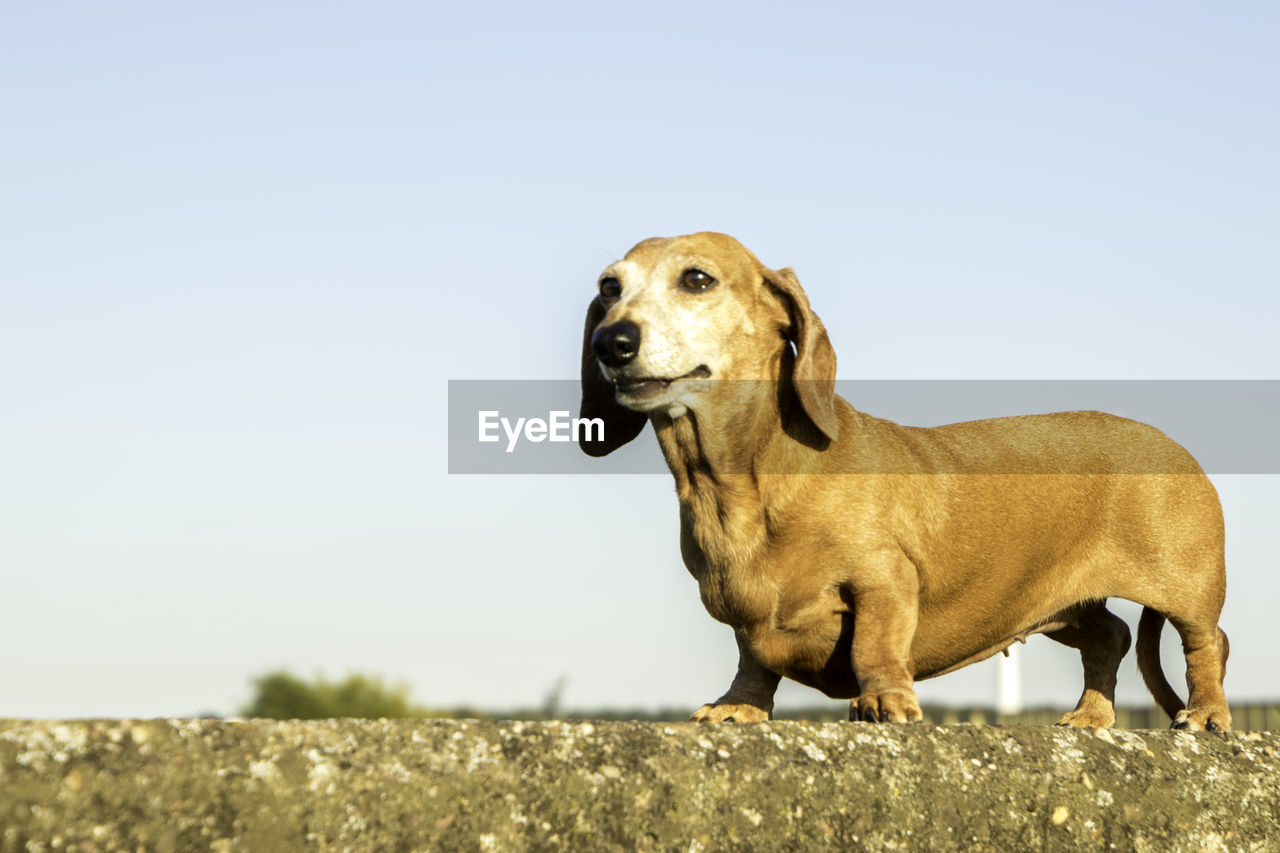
(647, 386)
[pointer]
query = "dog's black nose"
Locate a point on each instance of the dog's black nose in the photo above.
(616, 344)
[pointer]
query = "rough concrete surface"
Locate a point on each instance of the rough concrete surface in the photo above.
(404, 785)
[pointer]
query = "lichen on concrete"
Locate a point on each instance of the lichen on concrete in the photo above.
(408, 785)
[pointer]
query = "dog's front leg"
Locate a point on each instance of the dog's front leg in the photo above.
(750, 696)
(884, 625)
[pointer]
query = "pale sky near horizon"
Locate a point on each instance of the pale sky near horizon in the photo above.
(243, 248)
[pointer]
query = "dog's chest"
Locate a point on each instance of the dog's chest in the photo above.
(732, 587)
(810, 642)
(759, 592)
(725, 550)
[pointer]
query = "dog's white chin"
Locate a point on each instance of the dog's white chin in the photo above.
(674, 396)
(650, 395)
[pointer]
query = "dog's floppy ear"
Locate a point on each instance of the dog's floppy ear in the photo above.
(598, 400)
(814, 375)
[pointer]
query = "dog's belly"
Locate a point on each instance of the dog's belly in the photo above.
(819, 652)
(931, 659)
(811, 642)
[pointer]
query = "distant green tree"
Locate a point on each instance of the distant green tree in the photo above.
(281, 696)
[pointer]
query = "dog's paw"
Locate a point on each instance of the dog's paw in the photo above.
(717, 713)
(1089, 718)
(900, 706)
(1092, 712)
(1205, 720)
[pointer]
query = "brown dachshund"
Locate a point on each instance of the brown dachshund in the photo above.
(856, 555)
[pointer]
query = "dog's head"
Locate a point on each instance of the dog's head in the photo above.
(677, 314)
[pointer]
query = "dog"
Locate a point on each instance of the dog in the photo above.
(856, 555)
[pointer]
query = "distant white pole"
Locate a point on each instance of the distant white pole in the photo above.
(1009, 681)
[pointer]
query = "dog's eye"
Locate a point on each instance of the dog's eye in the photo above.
(696, 280)
(610, 288)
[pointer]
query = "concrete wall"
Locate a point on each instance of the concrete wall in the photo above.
(407, 785)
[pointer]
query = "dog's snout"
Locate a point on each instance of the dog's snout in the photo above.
(616, 344)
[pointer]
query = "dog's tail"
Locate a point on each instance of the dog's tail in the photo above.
(1148, 650)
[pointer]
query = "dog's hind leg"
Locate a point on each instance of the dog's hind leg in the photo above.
(1205, 646)
(1103, 640)
(1194, 615)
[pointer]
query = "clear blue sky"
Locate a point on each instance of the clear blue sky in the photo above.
(243, 247)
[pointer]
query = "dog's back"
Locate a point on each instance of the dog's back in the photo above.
(1083, 442)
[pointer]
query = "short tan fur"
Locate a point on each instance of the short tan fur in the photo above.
(857, 555)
